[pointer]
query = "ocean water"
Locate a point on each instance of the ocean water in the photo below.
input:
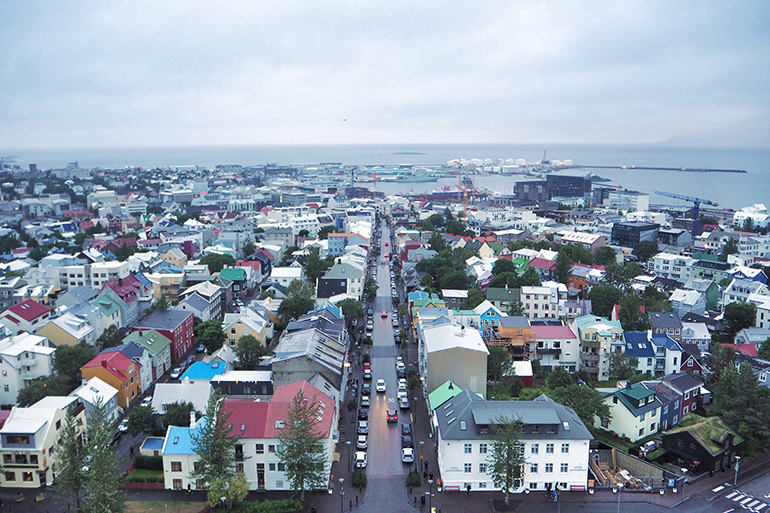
(729, 190)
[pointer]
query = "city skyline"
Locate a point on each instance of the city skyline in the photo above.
(83, 74)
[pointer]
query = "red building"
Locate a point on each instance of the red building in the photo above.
(688, 387)
(175, 325)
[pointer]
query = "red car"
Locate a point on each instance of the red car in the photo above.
(367, 366)
(392, 416)
(384, 315)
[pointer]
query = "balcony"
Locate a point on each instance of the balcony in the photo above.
(591, 344)
(545, 350)
(590, 357)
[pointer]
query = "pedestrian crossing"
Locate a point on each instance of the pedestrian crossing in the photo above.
(747, 502)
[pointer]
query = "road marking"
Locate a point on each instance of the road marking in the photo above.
(718, 489)
(730, 510)
(738, 497)
(747, 499)
(731, 495)
(753, 503)
(761, 507)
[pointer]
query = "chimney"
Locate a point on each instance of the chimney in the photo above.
(104, 363)
(192, 420)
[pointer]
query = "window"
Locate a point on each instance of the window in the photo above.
(483, 468)
(565, 448)
(281, 467)
(239, 467)
(534, 448)
(535, 428)
(271, 467)
(686, 394)
(467, 449)
(10, 476)
(551, 429)
(548, 468)
(549, 448)
(564, 467)
(176, 466)
(641, 417)
(232, 331)
(177, 483)
(482, 448)
(482, 485)
(533, 468)
(467, 468)
(271, 449)
(533, 486)
(641, 432)
(260, 448)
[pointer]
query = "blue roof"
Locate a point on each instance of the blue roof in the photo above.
(195, 301)
(417, 294)
(662, 339)
(153, 443)
(204, 370)
(331, 308)
(637, 344)
(179, 439)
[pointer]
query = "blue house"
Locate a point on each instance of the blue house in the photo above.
(489, 316)
(204, 371)
(670, 403)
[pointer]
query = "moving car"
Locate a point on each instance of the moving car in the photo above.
(392, 416)
(176, 373)
(407, 455)
(384, 315)
(362, 442)
(360, 459)
(363, 427)
(380, 387)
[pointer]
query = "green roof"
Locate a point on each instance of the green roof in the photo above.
(233, 273)
(151, 340)
(637, 391)
(709, 431)
(442, 394)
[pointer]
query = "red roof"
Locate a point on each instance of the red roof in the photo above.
(115, 362)
(543, 332)
(247, 414)
(747, 349)
(28, 310)
(542, 263)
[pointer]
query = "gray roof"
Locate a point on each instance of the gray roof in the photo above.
(460, 418)
(164, 319)
(75, 295)
(313, 344)
(514, 322)
(665, 320)
(683, 381)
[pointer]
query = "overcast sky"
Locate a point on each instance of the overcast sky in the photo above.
(95, 73)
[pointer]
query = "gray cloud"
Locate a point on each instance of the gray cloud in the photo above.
(87, 73)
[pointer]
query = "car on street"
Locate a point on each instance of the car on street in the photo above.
(401, 386)
(394, 322)
(365, 402)
(363, 427)
(367, 374)
(360, 459)
(403, 403)
(400, 365)
(392, 416)
(147, 401)
(176, 373)
(369, 325)
(363, 414)
(380, 387)
(406, 428)
(362, 442)
(370, 312)
(407, 455)
(401, 373)
(407, 441)
(201, 349)
(123, 426)
(384, 315)
(366, 388)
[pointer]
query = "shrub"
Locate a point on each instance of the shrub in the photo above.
(413, 479)
(149, 462)
(359, 478)
(270, 506)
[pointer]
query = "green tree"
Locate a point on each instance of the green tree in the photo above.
(586, 401)
(210, 334)
(645, 250)
(456, 227)
(739, 315)
(503, 265)
(370, 289)
(622, 365)
(720, 358)
(507, 457)
(302, 450)
(162, 303)
(559, 378)
(744, 405)
(324, 232)
(456, 280)
(110, 337)
(631, 316)
(303, 233)
(288, 255)
(249, 352)
(298, 301)
(69, 460)
(103, 477)
(437, 243)
(730, 248)
(217, 262)
(498, 363)
(39, 388)
(437, 220)
(476, 296)
(603, 298)
(764, 350)
(605, 255)
(69, 360)
(177, 414)
(314, 266)
(214, 443)
(142, 419)
(516, 309)
(249, 248)
(234, 489)
(352, 311)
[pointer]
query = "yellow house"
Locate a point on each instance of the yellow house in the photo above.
(68, 330)
(247, 322)
(175, 256)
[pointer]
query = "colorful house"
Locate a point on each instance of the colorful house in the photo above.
(117, 370)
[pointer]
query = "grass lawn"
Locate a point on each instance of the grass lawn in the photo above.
(620, 444)
(140, 474)
(611, 383)
(160, 507)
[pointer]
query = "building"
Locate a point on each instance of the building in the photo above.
(174, 325)
(556, 346)
(23, 357)
(250, 383)
(635, 412)
(705, 444)
(29, 441)
(598, 337)
(448, 352)
(568, 186)
(590, 241)
(29, 315)
(555, 440)
(674, 267)
(69, 330)
(95, 390)
(630, 233)
(119, 371)
(668, 323)
(489, 315)
(684, 301)
(516, 335)
(251, 320)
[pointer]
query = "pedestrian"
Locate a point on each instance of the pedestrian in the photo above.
(425, 474)
(430, 475)
(131, 451)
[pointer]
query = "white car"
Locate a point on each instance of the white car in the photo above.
(360, 459)
(176, 373)
(380, 387)
(365, 401)
(362, 443)
(400, 365)
(123, 426)
(407, 455)
(147, 401)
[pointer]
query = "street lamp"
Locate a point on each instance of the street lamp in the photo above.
(617, 489)
(430, 495)
(342, 492)
(422, 443)
(737, 466)
(349, 464)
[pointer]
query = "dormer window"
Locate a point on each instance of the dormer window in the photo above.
(650, 399)
(641, 403)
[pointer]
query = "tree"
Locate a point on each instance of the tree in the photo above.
(456, 227)
(249, 351)
(622, 365)
(314, 266)
(233, 489)
(631, 316)
(498, 363)
(603, 298)
(37, 389)
(324, 232)
(437, 242)
(103, 477)
(249, 248)
(476, 296)
(302, 449)
(559, 378)
(503, 265)
(744, 405)
(177, 414)
(217, 262)
(655, 300)
(69, 360)
(371, 289)
(456, 280)
(298, 301)
(507, 457)
(586, 401)
(110, 337)
(303, 233)
(721, 357)
(605, 255)
(214, 444)
(352, 311)
(69, 460)
(162, 303)
(764, 350)
(288, 255)
(730, 248)
(516, 308)
(142, 419)
(646, 249)
(739, 315)
(210, 334)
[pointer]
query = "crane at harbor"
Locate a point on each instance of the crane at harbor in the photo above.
(697, 226)
(462, 188)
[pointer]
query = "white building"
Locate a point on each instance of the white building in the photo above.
(673, 267)
(97, 390)
(757, 213)
(92, 275)
(285, 275)
(23, 357)
(556, 443)
(544, 302)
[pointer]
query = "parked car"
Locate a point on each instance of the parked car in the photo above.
(360, 459)
(394, 322)
(403, 403)
(407, 455)
(367, 374)
(366, 388)
(365, 402)
(147, 401)
(392, 416)
(401, 373)
(363, 414)
(407, 441)
(362, 442)
(176, 373)
(406, 428)
(201, 348)
(369, 325)
(363, 427)
(380, 385)
(123, 426)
